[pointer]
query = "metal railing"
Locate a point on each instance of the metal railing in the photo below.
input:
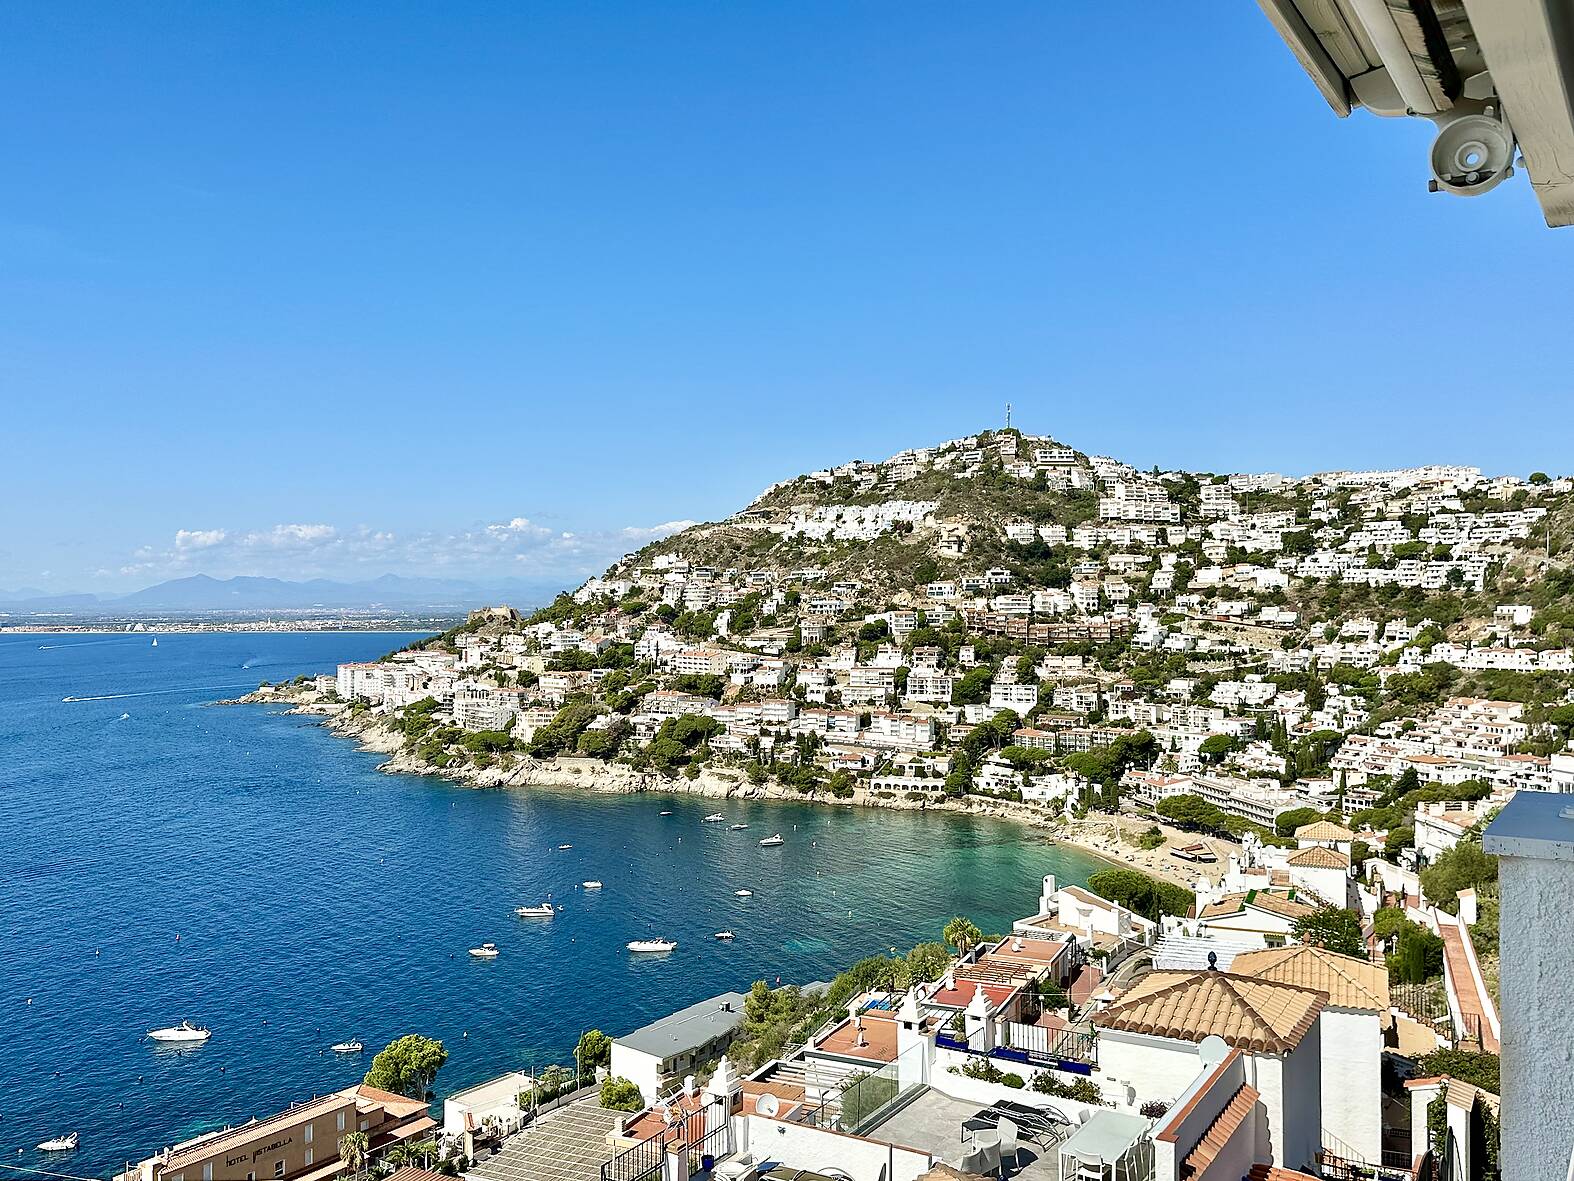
(1424, 1005)
(715, 1144)
(638, 1162)
(1042, 1046)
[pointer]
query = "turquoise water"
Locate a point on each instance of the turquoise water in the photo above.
(168, 859)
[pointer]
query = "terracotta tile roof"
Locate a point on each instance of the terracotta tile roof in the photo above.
(1350, 983)
(1323, 830)
(1249, 1014)
(1318, 857)
(1261, 1172)
(1220, 1131)
(411, 1173)
(1457, 1092)
(1281, 904)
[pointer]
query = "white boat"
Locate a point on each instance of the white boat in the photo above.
(347, 1047)
(725, 935)
(564, 848)
(744, 893)
(714, 818)
(545, 911)
(772, 841)
(736, 827)
(66, 1143)
(184, 1032)
(155, 643)
(487, 951)
(591, 885)
(651, 946)
(666, 813)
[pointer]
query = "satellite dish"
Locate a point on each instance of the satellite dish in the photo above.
(767, 1106)
(1213, 1050)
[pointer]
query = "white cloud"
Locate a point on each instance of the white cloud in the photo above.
(198, 538)
(516, 546)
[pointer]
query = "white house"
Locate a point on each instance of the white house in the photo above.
(1354, 1021)
(659, 1054)
(1149, 1038)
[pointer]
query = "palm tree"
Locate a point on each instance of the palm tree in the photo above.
(352, 1151)
(962, 934)
(424, 1153)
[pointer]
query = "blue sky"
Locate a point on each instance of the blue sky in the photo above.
(498, 288)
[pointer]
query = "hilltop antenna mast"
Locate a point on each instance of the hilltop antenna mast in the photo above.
(1008, 416)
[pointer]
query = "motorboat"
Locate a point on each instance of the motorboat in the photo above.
(67, 1143)
(487, 951)
(184, 1032)
(347, 1047)
(651, 946)
(772, 841)
(725, 936)
(591, 885)
(736, 827)
(564, 848)
(714, 818)
(743, 893)
(545, 911)
(667, 813)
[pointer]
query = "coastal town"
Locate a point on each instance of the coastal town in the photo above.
(1292, 713)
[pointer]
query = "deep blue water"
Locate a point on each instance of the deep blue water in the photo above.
(165, 859)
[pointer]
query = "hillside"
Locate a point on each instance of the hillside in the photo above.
(1007, 618)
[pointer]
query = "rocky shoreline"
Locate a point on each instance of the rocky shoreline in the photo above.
(371, 732)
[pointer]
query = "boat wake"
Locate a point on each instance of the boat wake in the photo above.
(152, 693)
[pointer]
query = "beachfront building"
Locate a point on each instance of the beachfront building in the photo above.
(298, 1144)
(656, 1056)
(486, 1111)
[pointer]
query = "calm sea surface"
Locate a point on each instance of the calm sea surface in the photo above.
(167, 859)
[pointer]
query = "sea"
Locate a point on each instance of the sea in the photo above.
(167, 858)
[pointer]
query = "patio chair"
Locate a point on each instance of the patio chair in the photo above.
(743, 1167)
(1008, 1142)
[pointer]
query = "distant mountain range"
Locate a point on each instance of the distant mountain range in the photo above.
(201, 594)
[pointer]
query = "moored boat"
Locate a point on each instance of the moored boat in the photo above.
(487, 951)
(354, 1047)
(545, 911)
(593, 884)
(713, 818)
(564, 848)
(744, 893)
(736, 827)
(184, 1032)
(772, 841)
(725, 936)
(651, 946)
(66, 1143)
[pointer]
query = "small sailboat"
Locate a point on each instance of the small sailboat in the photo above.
(714, 818)
(155, 641)
(771, 842)
(545, 911)
(184, 1032)
(736, 827)
(593, 884)
(487, 951)
(66, 1143)
(651, 946)
(354, 1047)
(743, 893)
(725, 936)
